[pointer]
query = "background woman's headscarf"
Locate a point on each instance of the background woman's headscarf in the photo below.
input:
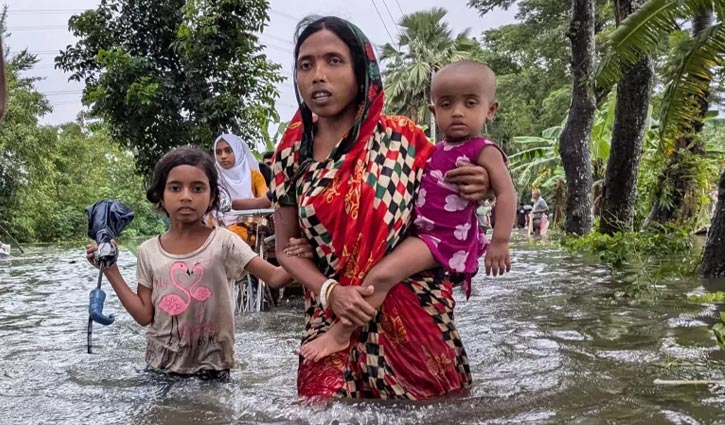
(238, 179)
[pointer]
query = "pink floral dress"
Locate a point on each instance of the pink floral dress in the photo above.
(446, 222)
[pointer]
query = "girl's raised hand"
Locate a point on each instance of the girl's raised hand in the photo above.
(91, 249)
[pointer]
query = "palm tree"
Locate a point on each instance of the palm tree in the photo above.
(425, 45)
(688, 79)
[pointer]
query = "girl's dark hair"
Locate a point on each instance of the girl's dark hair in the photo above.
(184, 155)
(312, 24)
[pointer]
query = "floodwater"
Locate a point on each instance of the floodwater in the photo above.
(546, 343)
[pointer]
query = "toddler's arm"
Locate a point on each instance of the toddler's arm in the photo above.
(498, 258)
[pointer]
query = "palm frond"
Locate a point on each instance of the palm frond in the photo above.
(556, 177)
(641, 32)
(529, 154)
(527, 140)
(691, 77)
(534, 165)
(719, 7)
(552, 133)
(389, 52)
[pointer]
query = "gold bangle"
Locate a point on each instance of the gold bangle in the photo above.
(324, 290)
(329, 291)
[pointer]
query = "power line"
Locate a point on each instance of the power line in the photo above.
(66, 103)
(45, 52)
(383, 21)
(392, 19)
(400, 8)
(45, 11)
(284, 15)
(277, 38)
(38, 28)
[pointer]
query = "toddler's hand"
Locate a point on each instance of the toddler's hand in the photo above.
(498, 260)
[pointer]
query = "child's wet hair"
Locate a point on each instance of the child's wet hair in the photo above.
(184, 155)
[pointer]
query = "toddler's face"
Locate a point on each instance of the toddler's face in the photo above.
(462, 105)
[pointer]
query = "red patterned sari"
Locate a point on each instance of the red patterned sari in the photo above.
(354, 208)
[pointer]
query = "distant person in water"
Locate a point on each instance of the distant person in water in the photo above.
(538, 220)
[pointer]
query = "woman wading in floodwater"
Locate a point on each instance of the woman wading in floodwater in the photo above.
(348, 183)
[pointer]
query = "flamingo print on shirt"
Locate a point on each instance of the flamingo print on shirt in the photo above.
(173, 304)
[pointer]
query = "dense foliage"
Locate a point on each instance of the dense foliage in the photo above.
(163, 73)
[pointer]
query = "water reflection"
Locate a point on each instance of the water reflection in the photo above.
(546, 344)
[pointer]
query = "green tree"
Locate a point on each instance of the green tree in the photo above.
(713, 261)
(164, 73)
(530, 59)
(24, 144)
(89, 166)
(630, 124)
(425, 45)
(574, 141)
(691, 69)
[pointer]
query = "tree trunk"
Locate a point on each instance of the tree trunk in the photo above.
(630, 123)
(713, 262)
(574, 142)
(677, 181)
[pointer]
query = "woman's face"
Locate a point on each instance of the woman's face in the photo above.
(325, 74)
(225, 155)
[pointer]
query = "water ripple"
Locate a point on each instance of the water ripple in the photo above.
(546, 344)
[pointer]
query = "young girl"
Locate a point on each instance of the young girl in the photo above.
(186, 275)
(446, 232)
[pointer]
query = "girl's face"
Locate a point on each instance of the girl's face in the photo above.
(187, 194)
(225, 155)
(325, 75)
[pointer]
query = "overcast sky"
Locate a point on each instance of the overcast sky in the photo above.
(42, 27)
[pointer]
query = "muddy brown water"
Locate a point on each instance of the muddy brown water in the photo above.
(546, 345)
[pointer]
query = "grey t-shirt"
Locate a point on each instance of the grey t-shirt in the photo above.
(193, 326)
(540, 205)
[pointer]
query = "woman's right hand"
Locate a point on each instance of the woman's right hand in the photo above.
(349, 305)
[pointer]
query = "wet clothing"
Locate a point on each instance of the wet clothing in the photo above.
(193, 324)
(204, 375)
(354, 208)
